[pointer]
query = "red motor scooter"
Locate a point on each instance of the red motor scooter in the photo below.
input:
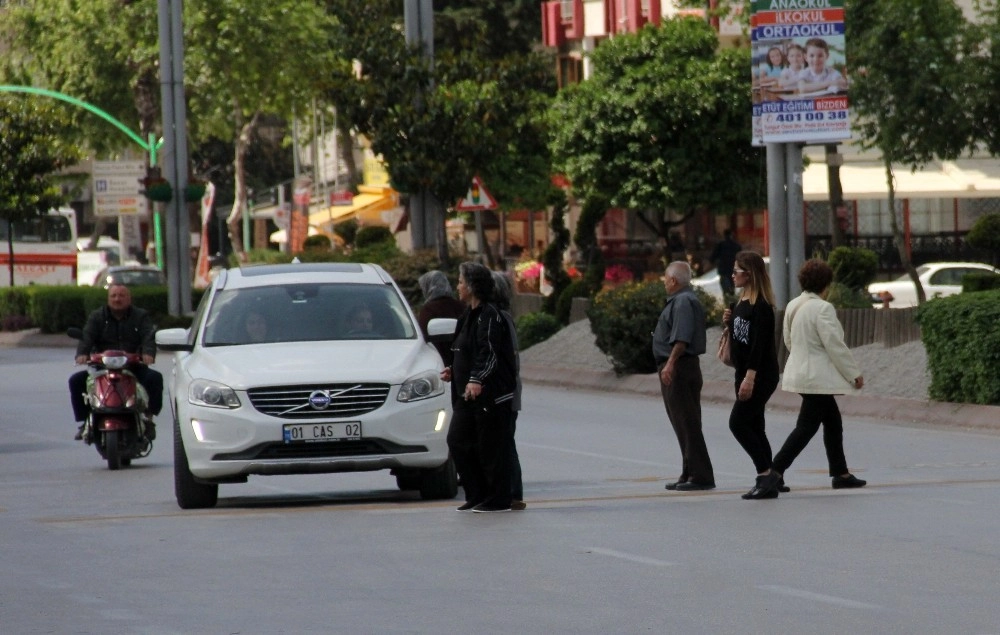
(118, 417)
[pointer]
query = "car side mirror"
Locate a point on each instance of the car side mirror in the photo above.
(441, 330)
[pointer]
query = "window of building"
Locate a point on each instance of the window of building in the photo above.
(570, 70)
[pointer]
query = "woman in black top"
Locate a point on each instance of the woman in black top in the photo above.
(755, 356)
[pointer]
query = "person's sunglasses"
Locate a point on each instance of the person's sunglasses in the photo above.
(736, 271)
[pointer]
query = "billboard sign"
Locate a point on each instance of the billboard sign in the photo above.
(800, 83)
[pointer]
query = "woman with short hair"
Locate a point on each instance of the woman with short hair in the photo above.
(819, 366)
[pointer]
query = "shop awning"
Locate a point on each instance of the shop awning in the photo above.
(866, 179)
(367, 206)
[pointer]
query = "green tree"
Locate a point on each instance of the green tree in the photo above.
(104, 52)
(249, 59)
(913, 88)
(33, 145)
(662, 127)
(477, 111)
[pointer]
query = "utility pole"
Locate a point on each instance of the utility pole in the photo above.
(175, 155)
(426, 211)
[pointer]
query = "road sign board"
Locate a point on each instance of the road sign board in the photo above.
(116, 188)
(477, 198)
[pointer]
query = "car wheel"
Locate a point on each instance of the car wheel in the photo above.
(190, 493)
(439, 482)
(408, 480)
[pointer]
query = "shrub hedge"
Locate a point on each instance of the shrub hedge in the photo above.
(623, 320)
(533, 328)
(53, 309)
(961, 334)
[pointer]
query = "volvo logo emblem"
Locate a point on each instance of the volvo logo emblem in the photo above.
(319, 400)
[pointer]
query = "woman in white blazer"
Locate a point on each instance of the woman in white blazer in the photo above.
(819, 366)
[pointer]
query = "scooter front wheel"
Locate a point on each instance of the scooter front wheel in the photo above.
(112, 451)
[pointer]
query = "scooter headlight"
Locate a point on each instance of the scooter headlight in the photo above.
(114, 361)
(203, 392)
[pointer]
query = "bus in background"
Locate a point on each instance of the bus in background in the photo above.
(44, 249)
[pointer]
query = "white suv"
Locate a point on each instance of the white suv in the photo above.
(304, 369)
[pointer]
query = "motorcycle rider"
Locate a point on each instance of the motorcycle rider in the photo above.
(118, 326)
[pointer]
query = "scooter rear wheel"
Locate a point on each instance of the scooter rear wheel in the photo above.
(112, 451)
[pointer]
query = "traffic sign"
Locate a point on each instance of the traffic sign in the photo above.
(477, 198)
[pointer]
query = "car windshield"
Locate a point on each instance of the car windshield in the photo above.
(307, 313)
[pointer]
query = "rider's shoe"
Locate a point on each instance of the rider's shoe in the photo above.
(79, 432)
(150, 430)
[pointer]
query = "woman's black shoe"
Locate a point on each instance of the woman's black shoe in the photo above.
(766, 487)
(848, 482)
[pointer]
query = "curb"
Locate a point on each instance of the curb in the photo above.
(894, 409)
(35, 338)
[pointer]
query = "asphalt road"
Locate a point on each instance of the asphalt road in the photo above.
(602, 547)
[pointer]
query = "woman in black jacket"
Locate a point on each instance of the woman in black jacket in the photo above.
(755, 356)
(483, 379)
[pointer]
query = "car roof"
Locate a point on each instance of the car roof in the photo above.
(114, 268)
(304, 272)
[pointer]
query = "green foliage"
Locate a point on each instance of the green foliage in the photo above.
(961, 334)
(853, 267)
(552, 259)
(634, 134)
(842, 296)
(980, 282)
(32, 148)
(373, 235)
(318, 242)
(591, 213)
(902, 45)
(713, 308)
(623, 319)
(347, 230)
(533, 328)
(53, 309)
(564, 304)
(985, 234)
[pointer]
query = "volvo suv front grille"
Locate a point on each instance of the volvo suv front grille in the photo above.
(319, 401)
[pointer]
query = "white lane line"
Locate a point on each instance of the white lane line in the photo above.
(818, 597)
(629, 557)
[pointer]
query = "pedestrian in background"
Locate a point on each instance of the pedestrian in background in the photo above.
(483, 381)
(439, 302)
(819, 366)
(678, 340)
(502, 298)
(755, 357)
(724, 257)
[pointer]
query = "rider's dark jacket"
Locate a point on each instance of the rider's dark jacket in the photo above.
(134, 333)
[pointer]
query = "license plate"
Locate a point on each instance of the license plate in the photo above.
(315, 432)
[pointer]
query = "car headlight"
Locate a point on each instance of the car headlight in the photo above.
(423, 386)
(203, 392)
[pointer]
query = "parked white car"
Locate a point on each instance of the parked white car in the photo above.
(938, 279)
(304, 369)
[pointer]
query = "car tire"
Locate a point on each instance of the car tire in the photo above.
(409, 480)
(439, 482)
(190, 493)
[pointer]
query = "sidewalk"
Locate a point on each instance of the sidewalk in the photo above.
(970, 416)
(895, 409)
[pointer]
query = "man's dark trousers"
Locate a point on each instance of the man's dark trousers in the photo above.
(682, 399)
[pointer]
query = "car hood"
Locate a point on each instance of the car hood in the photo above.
(242, 367)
